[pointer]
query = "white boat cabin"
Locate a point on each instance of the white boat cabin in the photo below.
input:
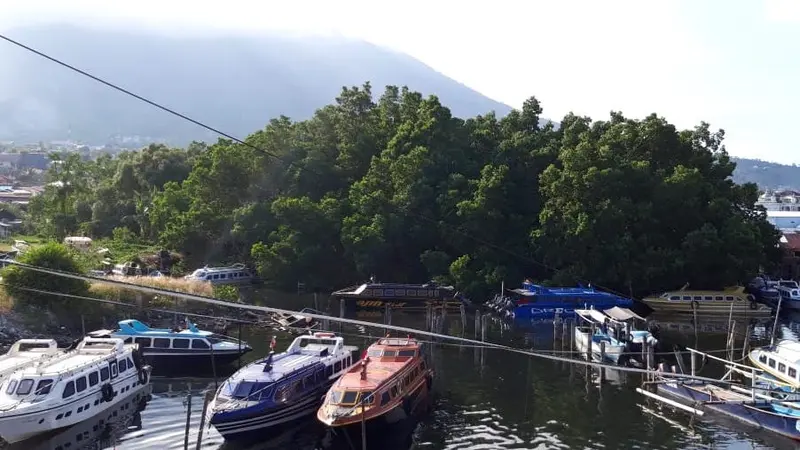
(782, 361)
(25, 352)
(236, 273)
(69, 388)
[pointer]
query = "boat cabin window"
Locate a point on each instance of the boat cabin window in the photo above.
(729, 298)
(374, 353)
(329, 371)
(161, 343)
(349, 398)
(11, 386)
(772, 363)
(336, 397)
(781, 367)
(123, 365)
(180, 343)
(337, 366)
(199, 343)
(80, 384)
(719, 298)
(69, 389)
(44, 386)
(390, 353)
(284, 393)
(25, 387)
(708, 297)
(394, 391)
(128, 340)
(410, 353)
(104, 374)
(93, 379)
(762, 358)
(308, 382)
(143, 342)
(792, 372)
(675, 297)
(698, 297)
(367, 398)
(113, 365)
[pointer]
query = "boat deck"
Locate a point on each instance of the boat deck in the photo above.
(9, 362)
(721, 393)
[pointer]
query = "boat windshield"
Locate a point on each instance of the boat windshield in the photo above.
(250, 390)
(199, 273)
(344, 397)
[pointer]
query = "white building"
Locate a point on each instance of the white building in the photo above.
(780, 200)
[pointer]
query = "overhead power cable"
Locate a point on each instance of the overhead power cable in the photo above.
(277, 157)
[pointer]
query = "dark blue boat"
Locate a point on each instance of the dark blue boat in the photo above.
(758, 413)
(280, 389)
(533, 301)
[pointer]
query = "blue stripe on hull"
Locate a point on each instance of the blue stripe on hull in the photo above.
(758, 414)
(237, 426)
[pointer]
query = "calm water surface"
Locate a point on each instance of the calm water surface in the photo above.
(486, 399)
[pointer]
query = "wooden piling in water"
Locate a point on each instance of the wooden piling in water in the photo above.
(188, 420)
(589, 343)
(602, 360)
(206, 400)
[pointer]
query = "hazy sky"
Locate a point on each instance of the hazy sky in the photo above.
(733, 63)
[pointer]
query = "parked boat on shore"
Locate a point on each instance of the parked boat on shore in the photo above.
(186, 348)
(235, 274)
(67, 389)
(26, 352)
(280, 388)
(533, 301)
(724, 302)
(392, 382)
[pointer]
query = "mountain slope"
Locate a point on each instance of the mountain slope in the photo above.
(233, 82)
(766, 175)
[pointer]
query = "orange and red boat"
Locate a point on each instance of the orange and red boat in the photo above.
(390, 383)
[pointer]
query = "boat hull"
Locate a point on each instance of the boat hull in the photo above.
(709, 307)
(613, 352)
(27, 424)
(416, 403)
(353, 304)
(758, 414)
(245, 426)
(191, 362)
(543, 311)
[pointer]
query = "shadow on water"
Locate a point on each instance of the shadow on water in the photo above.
(484, 398)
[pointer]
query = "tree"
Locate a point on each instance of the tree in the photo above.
(20, 283)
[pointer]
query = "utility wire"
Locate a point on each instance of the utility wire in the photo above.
(116, 87)
(409, 331)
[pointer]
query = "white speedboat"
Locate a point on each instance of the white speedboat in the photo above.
(25, 352)
(67, 389)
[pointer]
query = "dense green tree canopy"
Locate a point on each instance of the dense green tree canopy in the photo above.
(399, 188)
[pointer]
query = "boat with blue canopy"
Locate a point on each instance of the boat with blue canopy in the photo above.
(185, 348)
(540, 302)
(281, 388)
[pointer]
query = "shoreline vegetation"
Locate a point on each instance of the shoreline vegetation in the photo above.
(398, 188)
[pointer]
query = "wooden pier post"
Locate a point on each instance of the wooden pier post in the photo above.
(747, 335)
(341, 312)
(477, 323)
(206, 400)
(188, 419)
(602, 360)
(463, 310)
(693, 362)
(316, 300)
(484, 319)
(589, 343)
(651, 357)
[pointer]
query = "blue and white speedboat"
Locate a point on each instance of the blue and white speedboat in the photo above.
(533, 301)
(188, 348)
(280, 388)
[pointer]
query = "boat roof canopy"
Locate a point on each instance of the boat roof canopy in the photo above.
(622, 314)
